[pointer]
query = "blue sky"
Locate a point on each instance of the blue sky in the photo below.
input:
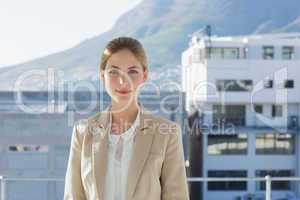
(34, 28)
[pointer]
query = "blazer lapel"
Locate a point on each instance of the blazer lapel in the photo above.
(100, 131)
(141, 148)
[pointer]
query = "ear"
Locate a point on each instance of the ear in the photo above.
(146, 74)
(102, 75)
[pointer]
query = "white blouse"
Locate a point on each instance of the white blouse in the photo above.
(117, 171)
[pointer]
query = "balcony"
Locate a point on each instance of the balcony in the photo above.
(266, 194)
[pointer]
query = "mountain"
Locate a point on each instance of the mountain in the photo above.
(163, 26)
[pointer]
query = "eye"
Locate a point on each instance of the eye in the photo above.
(114, 72)
(133, 72)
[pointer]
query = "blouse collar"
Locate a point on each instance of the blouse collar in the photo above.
(129, 133)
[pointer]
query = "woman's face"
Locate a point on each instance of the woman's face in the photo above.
(123, 76)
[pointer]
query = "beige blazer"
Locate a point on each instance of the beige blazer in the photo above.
(156, 171)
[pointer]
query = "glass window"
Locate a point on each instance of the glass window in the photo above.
(288, 53)
(276, 110)
(245, 52)
(229, 114)
(234, 85)
(223, 52)
(227, 144)
(258, 108)
(275, 144)
(231, 53)
(227, 185)
(268, 83)
(276, 185)
(27, 148)
(289, 84)
(216, 53)
(268, 52)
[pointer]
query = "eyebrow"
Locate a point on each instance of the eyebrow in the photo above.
(132, 67)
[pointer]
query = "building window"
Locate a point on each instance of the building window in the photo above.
(268, 52)
(276, 185)
(227, 185)
(245, 52)
(268, 83)
(275, 144)
(258, 108)
(231, 53)
(235, 144)
(28, 148)
(288, 53)
(223, 53)
(234, 85)
(229, 115)
(277, 110)
(289, 84)
(215, 53)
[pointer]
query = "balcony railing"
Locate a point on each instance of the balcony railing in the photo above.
(267, 179)
(4, 183)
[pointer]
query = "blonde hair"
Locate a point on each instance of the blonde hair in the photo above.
(121, 43)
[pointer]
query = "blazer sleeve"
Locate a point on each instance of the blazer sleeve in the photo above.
(73, 184)
(173, 177)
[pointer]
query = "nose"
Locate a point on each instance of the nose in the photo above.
(122, 81)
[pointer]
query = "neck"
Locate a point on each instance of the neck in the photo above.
(123, 116)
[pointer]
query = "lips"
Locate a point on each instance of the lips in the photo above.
(123, 91)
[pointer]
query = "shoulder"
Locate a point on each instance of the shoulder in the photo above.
(157, 119)
(164, 126)
(162, 120)
(82, 126)
(93, 119)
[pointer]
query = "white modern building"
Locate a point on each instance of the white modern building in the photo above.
(246, 90)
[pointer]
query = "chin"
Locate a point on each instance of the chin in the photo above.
(123, 98)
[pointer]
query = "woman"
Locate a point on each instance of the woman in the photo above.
(125, 152)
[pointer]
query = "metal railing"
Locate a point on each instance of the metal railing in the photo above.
(4, 180)
(268, 180)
